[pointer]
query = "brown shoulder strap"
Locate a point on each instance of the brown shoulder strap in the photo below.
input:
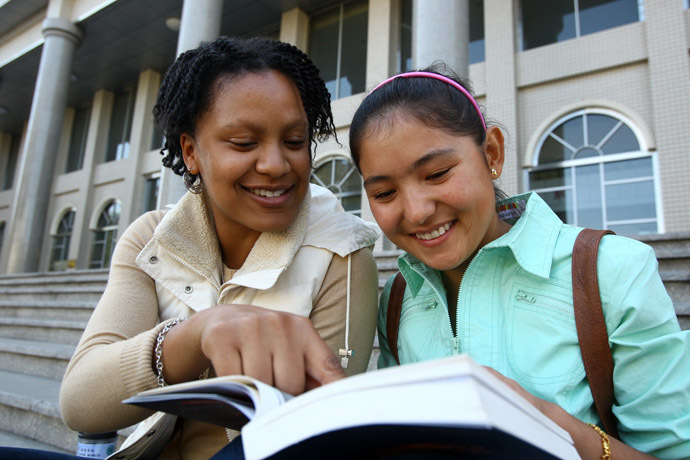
(395, 300)
(591, 327)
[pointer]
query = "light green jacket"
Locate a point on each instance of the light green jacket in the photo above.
(515, 314)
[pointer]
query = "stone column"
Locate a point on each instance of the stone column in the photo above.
(441, 32)
(201, 21)
(501, 86)
(669, 77)
(37, 167)
(294, 28)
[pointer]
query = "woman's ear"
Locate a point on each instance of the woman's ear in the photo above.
(189, 153)
(494, 150)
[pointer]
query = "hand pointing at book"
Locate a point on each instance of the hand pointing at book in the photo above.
(281, 349)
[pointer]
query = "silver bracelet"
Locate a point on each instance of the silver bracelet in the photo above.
(158, 351)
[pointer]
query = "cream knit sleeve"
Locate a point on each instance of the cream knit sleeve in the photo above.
(329, 312)
(114, 357)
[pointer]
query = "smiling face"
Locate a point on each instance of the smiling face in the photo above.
(430, 191)
(251, 148)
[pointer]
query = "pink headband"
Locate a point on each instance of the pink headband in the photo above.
(436, 76)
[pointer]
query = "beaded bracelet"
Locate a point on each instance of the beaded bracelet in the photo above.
(158, 351)
(605, 445)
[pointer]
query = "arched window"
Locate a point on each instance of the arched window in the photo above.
(59, 255)
(105, 235)
(340, 176)
(593, 169)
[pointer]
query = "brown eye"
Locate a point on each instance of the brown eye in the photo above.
(438, 174)
(384, 195)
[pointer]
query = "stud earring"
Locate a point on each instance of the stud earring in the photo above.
(494, 172)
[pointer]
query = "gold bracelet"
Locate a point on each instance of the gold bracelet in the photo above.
(604, 442)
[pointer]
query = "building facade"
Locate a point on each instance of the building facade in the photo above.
(593, 97)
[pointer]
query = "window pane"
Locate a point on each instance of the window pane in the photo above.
(553, 151)
(405, 51)
(342, 167)
(151, 188)
(623, 140)
(477, 53)
(598, 127)
(588, 187)
(354, 48)
(341, 177)
(572, 132)
(157, 139)
(353, 183)
(597, 15)
(628, 169)
(97, 250)
(546, 21)
(324, 174)
(77, 144)
(8, 176)
(323, 46)
(2, 235)
(550, 178)
(630, 201)
(352, 204)
(120, 126)
(634, 229)
(560, 202)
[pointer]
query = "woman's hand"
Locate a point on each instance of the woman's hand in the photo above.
(278, 348)
(587, 441)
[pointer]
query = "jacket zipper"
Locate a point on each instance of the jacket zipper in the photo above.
(526, 297)
(455, 339)
(174, 256)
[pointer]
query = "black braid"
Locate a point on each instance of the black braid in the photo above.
(187, 87)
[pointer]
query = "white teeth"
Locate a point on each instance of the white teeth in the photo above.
(267, 193)
(435, 234)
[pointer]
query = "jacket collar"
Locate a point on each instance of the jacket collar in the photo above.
(531, 240)
(188, 231)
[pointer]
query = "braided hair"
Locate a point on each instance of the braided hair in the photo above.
(188, 87)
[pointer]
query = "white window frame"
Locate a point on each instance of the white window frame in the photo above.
(601, 160)
(55, 235)
(576, 13)
(109, 231)
(338, 184)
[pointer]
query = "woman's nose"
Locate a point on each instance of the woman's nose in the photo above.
(272, 161)
(418, 207)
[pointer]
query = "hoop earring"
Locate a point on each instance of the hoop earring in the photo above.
(190, 181)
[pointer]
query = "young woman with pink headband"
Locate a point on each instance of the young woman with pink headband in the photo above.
(490, 276)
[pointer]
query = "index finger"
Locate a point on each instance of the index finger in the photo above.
(320, 364)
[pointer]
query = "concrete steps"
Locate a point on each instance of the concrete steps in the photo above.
(42, 317)
(29, 411)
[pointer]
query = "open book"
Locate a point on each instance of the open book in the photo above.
(451, 406)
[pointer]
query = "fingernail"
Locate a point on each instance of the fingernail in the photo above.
(332, 362)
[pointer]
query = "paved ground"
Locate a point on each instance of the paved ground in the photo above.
(12, 440)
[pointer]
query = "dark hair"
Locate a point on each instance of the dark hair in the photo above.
(188, 87)
(432, 102)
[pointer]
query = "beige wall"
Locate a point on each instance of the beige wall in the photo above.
(524, 91)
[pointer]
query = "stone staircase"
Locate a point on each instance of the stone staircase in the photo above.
(42, 316)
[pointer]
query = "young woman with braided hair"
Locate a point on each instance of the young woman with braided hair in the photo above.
(255, 257)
